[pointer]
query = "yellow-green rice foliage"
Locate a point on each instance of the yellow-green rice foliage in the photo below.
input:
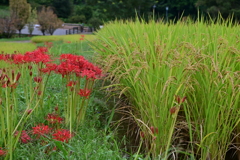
(65, 38)
(152, 63)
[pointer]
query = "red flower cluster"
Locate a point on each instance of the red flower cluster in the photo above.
(71, 83)
(41, 130)
(54, 118)
(84, 93)
(62, 135)
(36, 56)
(74, 64)
(24, 137)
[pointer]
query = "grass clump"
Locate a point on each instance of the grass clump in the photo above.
(14, 47)
(182, 81)
(64, 38)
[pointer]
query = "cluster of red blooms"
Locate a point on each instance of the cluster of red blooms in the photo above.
(84, 93)
(42, 130)
(60, 134)
(74, 64)
(54, 118)
(24, 137)
(36, 56)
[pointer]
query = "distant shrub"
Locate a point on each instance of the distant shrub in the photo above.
(95, 23)
(77, 19)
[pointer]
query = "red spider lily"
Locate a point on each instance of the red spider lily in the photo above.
(82, 35)
(62, 135)
(2, 152)
(37, 56)
(180, 100)
(74, 64)
(81, 39)
(41, 130)
(18, 59)
(84, 93)
(24, 137)
(49, 68)
(71, 83)
(38, 79)
(68, 42)
(54, 118)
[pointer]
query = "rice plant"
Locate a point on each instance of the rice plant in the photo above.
(173, 74)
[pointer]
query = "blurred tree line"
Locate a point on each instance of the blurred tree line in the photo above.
(94, 12)
(85, 11)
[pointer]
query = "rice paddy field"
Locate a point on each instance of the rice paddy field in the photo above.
(133, 90)
(182, 85)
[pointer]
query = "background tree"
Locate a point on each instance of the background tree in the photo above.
(7, 28)
(20, 12)
(214, 7)
(48, 20)
(32, 19)
(4, 2)
(63, 8)
(177, 8)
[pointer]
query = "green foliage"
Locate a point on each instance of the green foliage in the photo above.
(63, 8)
(32, 19)
(95, 23)
(15, 47)
(77, 19)
(84, 10)
(226, 8)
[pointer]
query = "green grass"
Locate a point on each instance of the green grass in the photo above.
(14, 47)
(15, 39)
(64, 38)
